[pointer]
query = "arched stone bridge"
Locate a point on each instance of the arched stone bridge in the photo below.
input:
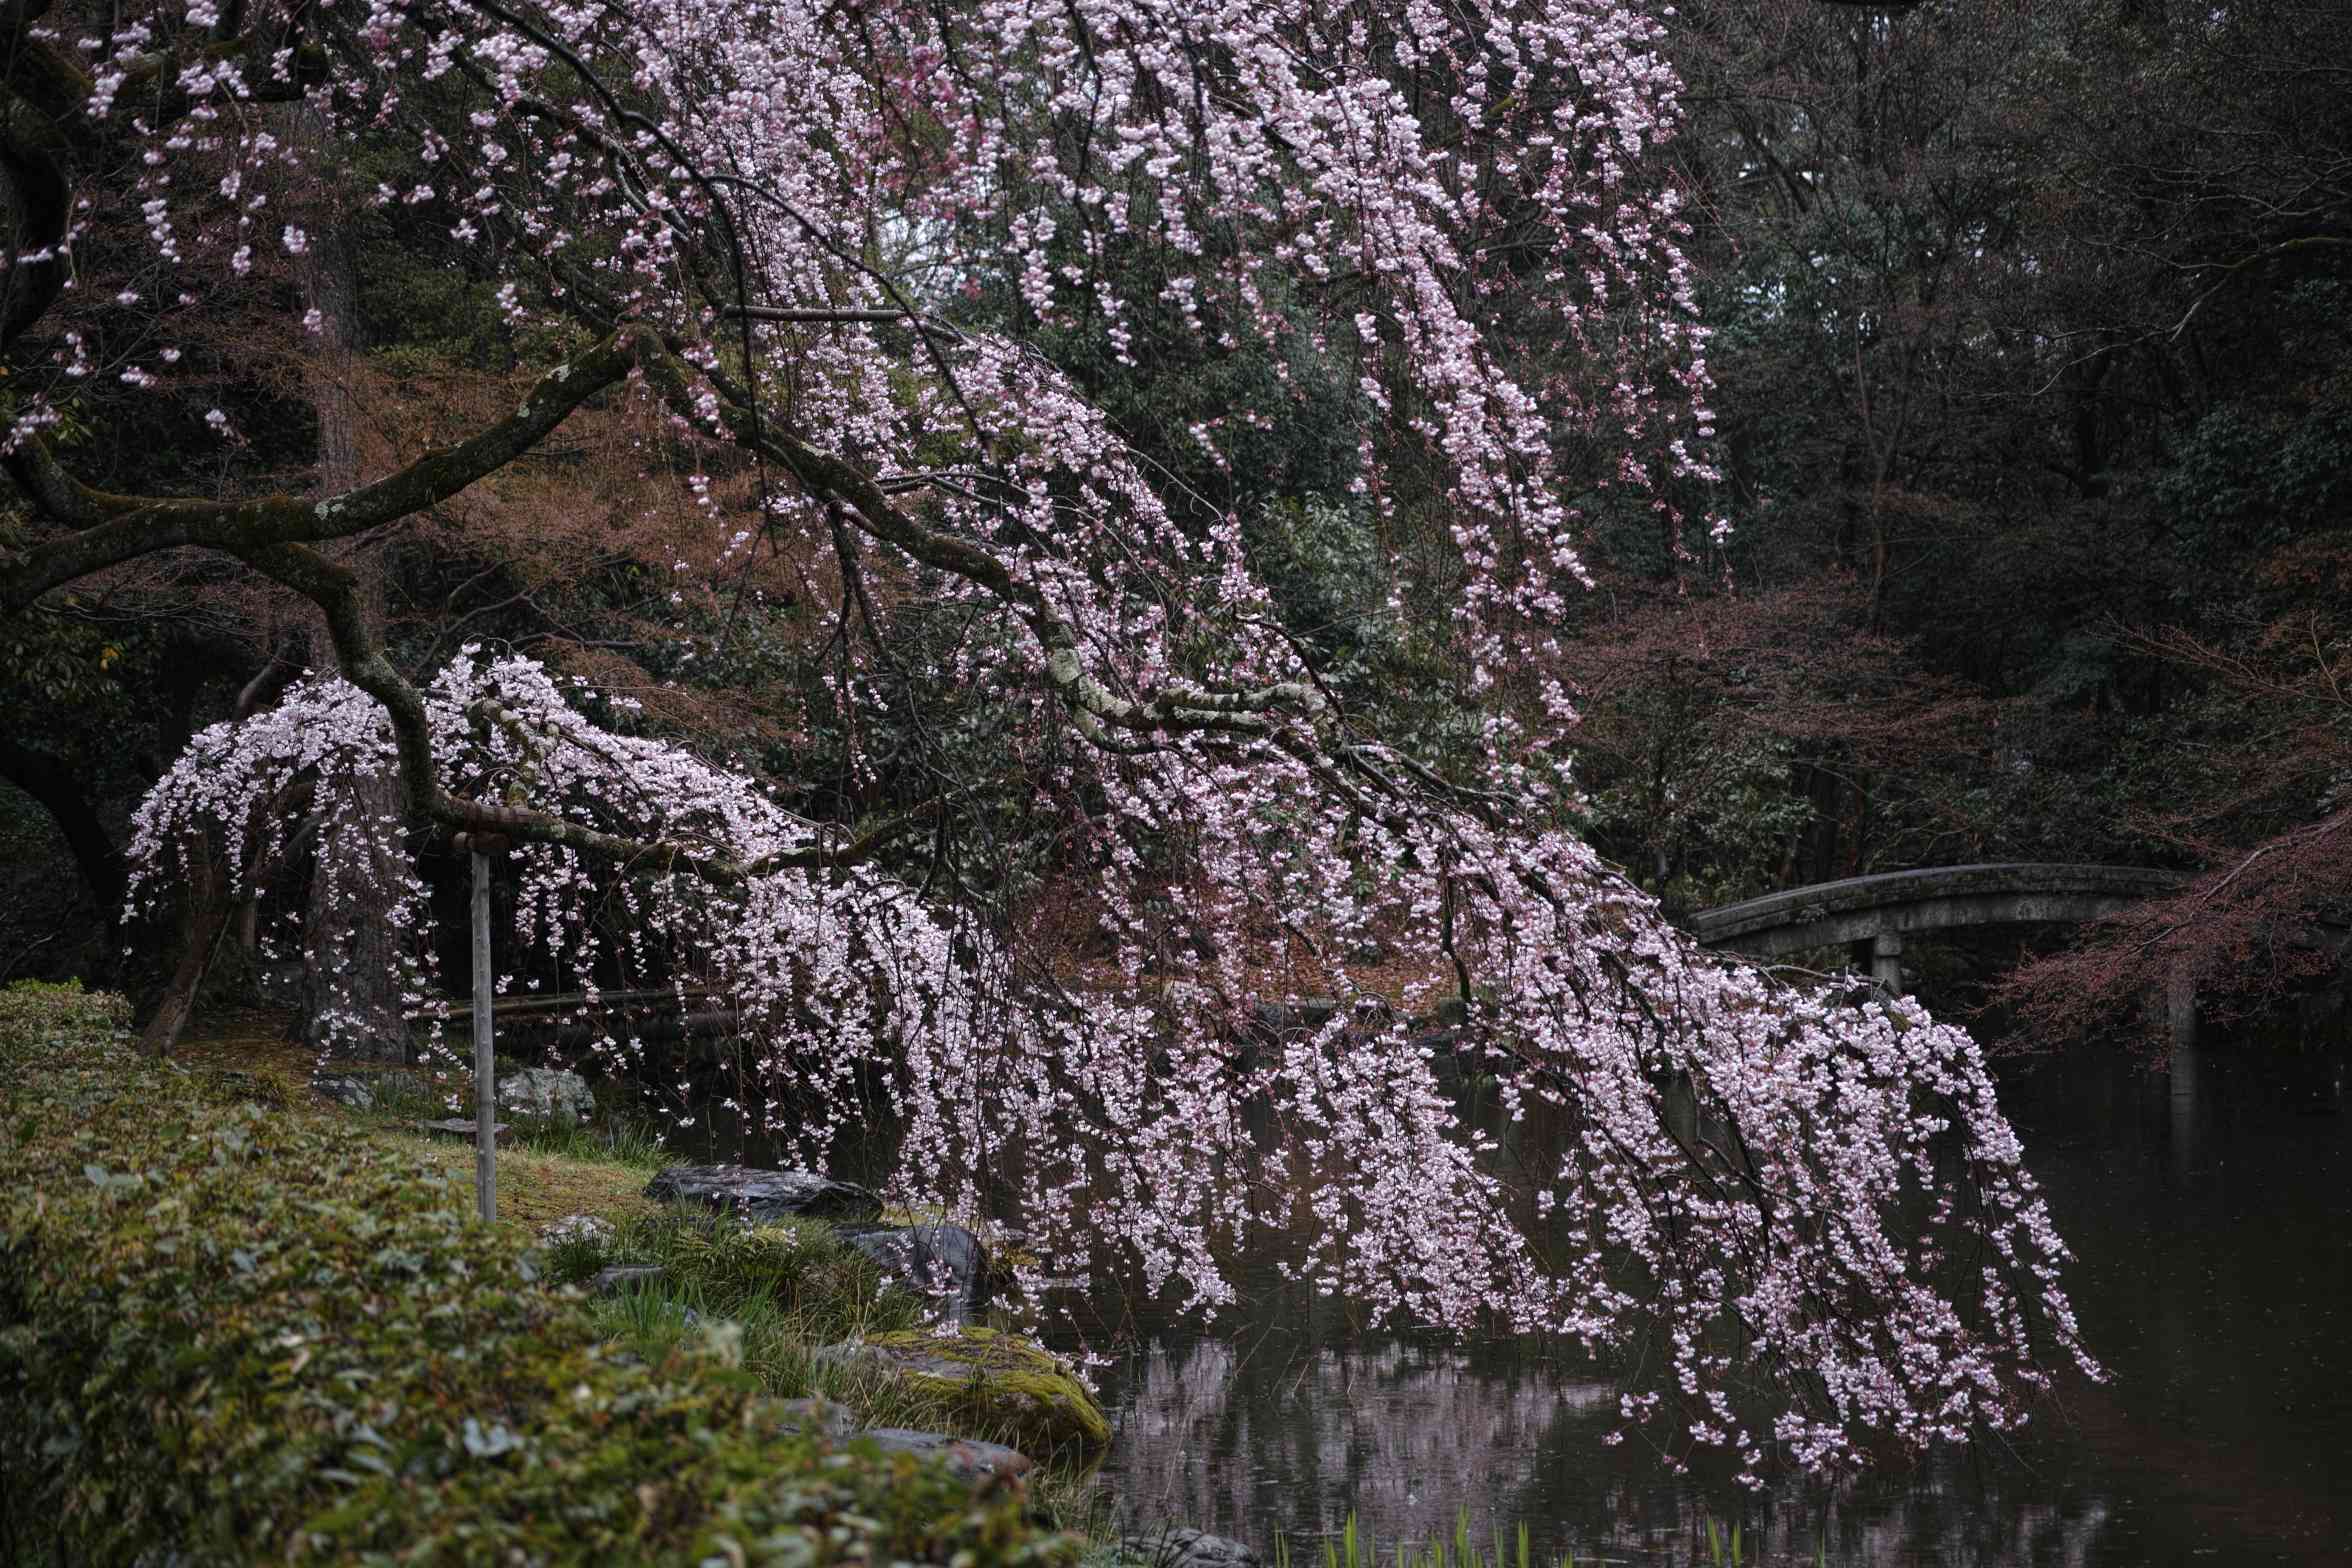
(1881, 909)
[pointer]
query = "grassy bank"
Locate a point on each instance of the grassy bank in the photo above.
(239, 1325)
(779, 1294)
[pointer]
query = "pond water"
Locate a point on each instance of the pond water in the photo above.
(2212, 1213)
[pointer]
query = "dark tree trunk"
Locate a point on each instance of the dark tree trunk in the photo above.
(351, 957)
(61, 791)
(205, 921)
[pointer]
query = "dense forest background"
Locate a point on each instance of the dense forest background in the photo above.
(2032, 401)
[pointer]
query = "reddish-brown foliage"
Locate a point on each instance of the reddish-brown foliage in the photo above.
(2272, 822)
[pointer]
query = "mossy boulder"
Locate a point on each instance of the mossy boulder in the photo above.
(995, 1383)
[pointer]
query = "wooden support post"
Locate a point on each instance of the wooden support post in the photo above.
(482, 847)
(1886, 960)
(485, 1052)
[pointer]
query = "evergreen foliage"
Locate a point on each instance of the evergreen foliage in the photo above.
(238, 1332)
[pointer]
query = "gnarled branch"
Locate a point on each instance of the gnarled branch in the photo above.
(114, 528)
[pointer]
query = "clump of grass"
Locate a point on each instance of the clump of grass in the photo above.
(782, 1351)
(612, 1139)
(1354, 1549)
(784, 1292)
(800, 1269)
(787, 1295)
(1077, 1502)
(800, 1265)
(574, 1260)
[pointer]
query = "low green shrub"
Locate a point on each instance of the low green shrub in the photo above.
(230, 1333)
(41, 1014)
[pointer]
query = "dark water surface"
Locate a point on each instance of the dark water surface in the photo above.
(2212, 1214)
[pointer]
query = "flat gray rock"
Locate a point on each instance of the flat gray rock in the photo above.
(759, 1196)
(346, 1089)
(456, 1127)
(966, 1457)
(1185, 1547)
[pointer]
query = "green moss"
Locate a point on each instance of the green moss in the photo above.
(998, 1384)
(233, 1331)
(533, 1188)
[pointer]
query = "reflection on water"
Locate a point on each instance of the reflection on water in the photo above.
(2213, 1220)
(1399, 1434)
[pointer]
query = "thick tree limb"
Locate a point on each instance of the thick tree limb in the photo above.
(116, 528)
(274, 535)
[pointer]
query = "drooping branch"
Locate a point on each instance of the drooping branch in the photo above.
(335, 589)
(1096, 709)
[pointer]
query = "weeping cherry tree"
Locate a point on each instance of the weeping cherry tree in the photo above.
(768, 224)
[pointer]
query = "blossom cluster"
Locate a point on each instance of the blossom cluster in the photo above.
(1811, 1211)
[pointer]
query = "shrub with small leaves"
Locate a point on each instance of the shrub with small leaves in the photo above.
(233, 1332)
(35, 1013)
